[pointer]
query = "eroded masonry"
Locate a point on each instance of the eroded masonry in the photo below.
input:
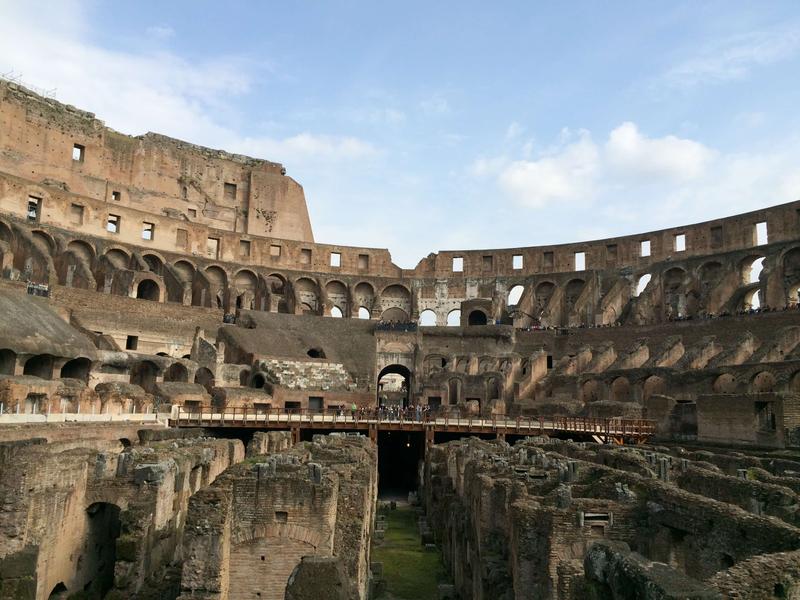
(199, 401)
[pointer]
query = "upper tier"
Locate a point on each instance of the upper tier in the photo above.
(172, 196)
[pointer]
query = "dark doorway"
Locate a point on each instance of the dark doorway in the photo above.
(148, 290)
(477, 317)
(100, 549)
(144, 374)
(77, 368)
(399, 453)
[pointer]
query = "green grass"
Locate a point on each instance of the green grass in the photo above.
(411, 572)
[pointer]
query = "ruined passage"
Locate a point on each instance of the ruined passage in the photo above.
(407, 569)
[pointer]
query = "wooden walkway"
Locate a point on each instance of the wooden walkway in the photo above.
(618, 431)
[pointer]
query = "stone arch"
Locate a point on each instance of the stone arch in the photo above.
(620, 390)
(674, 300)
(364, 295)
(100, 553)
(82, 250)
(592, 390)
(143, 374)
(307, 292)
(45, 241)
(204, 377)
(751, 299)
(763, 381)
(148, 289)
(184, 270)
(641, 283)
(794, 383)
(336, 295)
(515, 295)
(40, 365)
(427, 318)
(59, 592)
(750, 268)
(401, 371)
(396, 296)
(77, 368)
(454, 318)
(477, 317)
(246, 284)
(542, 294)
(118, 258)
(176, 372)
(155, 263)
(572, 292)
(653, 385)
(6, 234)
(724, 384)
(363, 313)
(216, 276)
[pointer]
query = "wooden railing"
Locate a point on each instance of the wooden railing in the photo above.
(408, 419)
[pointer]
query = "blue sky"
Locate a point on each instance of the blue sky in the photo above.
(422, 126)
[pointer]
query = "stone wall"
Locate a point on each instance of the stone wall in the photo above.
(523, 521)
(246, 533)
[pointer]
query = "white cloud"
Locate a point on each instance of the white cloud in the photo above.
(634, 154)
(735, 57)
(673, 180)
(564, 175)
(514, 130)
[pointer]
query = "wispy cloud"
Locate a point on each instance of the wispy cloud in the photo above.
(630, 172)
(734, 58)
(160, 32)
(435, 104)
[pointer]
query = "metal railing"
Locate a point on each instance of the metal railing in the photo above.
(439, 420)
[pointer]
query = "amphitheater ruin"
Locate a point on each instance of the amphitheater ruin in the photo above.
(198, 401)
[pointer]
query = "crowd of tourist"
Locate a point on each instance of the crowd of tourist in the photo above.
(399, 326)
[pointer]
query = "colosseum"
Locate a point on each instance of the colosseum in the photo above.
(198, 401)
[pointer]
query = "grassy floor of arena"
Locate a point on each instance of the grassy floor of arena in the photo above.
(411, 572)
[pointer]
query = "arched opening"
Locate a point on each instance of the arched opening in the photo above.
(542, 295)
(148, 290)
(316, 353)
(244, 375)
(477, 317)
(307, 295)
(453, 391)
(205, 378)
(763, 382)
(44, 241)
(154, 263)
(454, 318)
(8, 362)
(394, 384)
(724, 384)
(144, 374)
(336, 293)
(493, 389)
(176, 372)
(592, 391)
(258, 382)
(752, 300)
(514, 295)
(118, 258)
(81, 250)
(394, 315)
(396, 296)
(59, 592)
(39, 366)
(364, 296)
(336, 312)
(427, 318)
(77, 368)
(641, 284)
(363, 313)
(653, 385)
(751, 268)
(100, 548)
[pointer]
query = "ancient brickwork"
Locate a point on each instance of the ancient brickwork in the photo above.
(515, 521)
